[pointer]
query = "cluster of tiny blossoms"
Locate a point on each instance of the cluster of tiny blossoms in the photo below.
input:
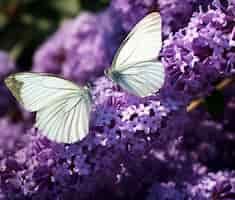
(7, 66)
(123, 133)
(200, 54)
(81, 50)
(220, 185)
(137, 148)
(175, 13)
(82, 47)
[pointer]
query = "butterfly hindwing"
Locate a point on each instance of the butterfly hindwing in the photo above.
(142, 79)
(67, 120)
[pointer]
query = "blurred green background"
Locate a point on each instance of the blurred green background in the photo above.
(25, 24)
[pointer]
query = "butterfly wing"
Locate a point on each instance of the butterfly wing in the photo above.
(143, 43)
(62, 107)
(65, 121)
(134, 68)
(142, 79)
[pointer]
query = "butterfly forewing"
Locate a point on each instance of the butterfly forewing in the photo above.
(63, 108)
(35, 91)
(143, 43)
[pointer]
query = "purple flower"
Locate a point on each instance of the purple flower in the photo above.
(131, 12)
(165, 191)
(126, 136)
(51, 55)
(208, 140)
(175, 13)
(7, 66)
(216, 186)
(133, 142)
(11, 137)
(199, 55)
(81, 49)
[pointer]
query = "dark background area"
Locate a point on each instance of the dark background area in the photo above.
(25, 24)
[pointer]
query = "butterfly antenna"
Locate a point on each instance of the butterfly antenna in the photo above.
(89, 85)
(106, 72)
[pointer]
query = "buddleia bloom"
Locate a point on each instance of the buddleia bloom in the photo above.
(165, 191)
(220, 185)
(134, 142)
(80, 50)
(200, 54)
(6, 66)
(123, 133)
(11, 137)
(175, 13)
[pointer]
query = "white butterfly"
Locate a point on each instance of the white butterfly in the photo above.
(134, 67)
(63, 108)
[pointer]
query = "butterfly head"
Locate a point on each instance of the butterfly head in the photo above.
(107, 72)
(88, 86)
(87, 91)
(113, 75)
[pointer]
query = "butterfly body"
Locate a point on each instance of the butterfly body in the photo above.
(115, 76)
(86, 93)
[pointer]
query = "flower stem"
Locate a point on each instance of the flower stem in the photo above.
(222, 85)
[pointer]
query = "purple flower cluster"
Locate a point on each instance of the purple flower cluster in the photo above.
(220, 185)
(130, 142)
(208, 140)
(119, 148)
(82, 47)
(175, 13)
(137, 148)
(7, 66)
(165, 191)
(80, 50)
(200, 54)
(12, 137)
(131, 12)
